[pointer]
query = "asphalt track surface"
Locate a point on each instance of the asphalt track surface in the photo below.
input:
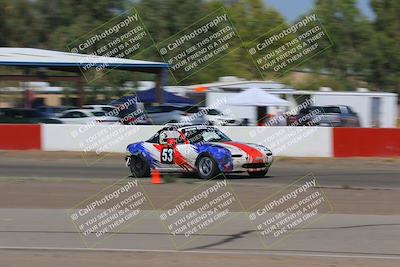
(333, 235)
(355, 173)
(365, 236)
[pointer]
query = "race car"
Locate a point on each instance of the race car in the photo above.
(200, 149)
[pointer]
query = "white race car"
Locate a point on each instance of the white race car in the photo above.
(202, 149)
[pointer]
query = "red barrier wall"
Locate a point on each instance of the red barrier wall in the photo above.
(364, 142)
(20, 136)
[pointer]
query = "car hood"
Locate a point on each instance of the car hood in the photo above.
(252, 151)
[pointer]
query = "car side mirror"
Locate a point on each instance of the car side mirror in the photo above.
(167, 137)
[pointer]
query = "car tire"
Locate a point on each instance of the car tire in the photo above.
(258, 174)
(207, 167)
(139, 167)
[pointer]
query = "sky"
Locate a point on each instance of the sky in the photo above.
(291, 9)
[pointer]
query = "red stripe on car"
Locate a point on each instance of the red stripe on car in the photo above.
(178, 158)
(181, 161)
(158, 147)
(254, 154)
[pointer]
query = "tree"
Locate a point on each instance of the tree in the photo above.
(384, 50)
(166, 18)
(69, 20)
(350, 32)
(252, 20)
(3, 20)
(18, 24)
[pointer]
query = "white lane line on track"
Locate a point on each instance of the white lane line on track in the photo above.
(333, 255)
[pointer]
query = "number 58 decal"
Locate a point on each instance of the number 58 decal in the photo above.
(167, 155)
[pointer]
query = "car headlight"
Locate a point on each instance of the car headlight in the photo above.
(264, 149)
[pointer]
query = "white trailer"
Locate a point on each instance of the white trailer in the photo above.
(374, 109)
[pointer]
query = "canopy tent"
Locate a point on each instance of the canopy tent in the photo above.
(148, 96)
(256, 97)
(28, 58)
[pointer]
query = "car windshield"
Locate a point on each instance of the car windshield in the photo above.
(189, 109)
(213, 112)
(205, 135)
(331, 109)
(107, 109)
(98, 113)
(310, 110)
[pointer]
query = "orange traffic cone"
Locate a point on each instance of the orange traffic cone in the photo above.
(155, 177)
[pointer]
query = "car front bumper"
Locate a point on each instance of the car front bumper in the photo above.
(245, 165)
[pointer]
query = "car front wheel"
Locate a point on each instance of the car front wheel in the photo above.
(207, 167)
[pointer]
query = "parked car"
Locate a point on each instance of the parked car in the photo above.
(24, 115)
(85, 116)
(196, 148)
(332, 116)
(305, 117)
(133, 116)
(105, 108)
(217, 117)
(51, 112)
(174, 113)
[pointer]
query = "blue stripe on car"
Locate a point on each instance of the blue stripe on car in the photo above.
(139, 149)
(221, 155)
